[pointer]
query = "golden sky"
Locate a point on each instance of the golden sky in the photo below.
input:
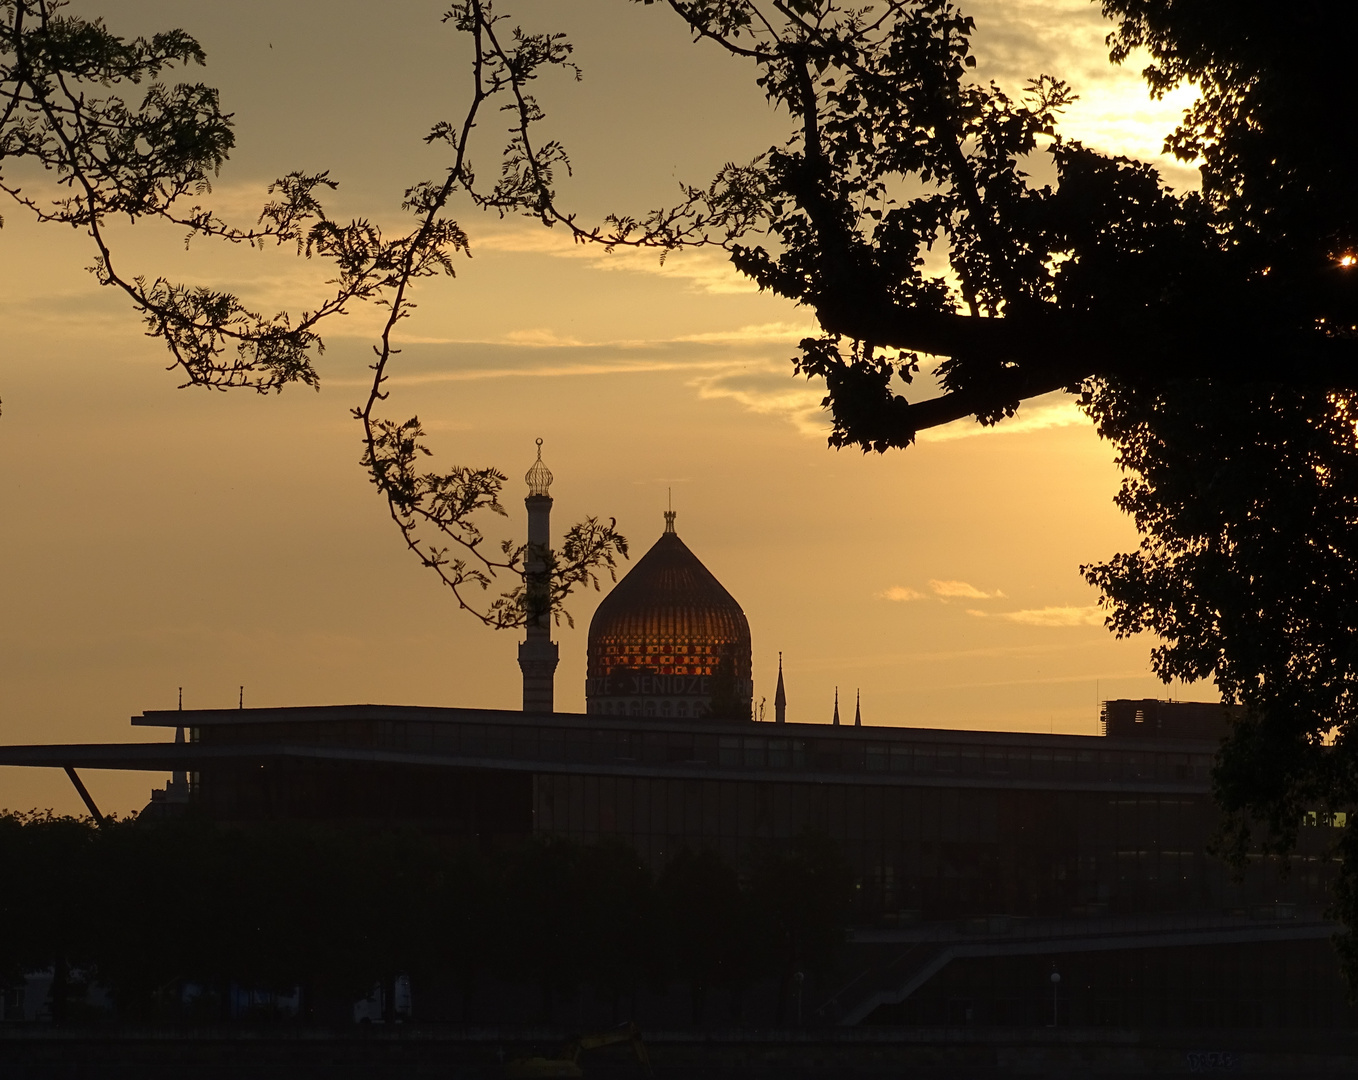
(154, 538)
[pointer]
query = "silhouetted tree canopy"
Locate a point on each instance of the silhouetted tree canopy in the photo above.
(1212, 335)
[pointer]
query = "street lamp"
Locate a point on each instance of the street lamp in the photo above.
(1056, 982)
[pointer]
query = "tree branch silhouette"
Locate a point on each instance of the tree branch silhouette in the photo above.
(1211, 335)
(61, 84)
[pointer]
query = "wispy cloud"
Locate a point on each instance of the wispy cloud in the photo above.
(770, 333)
(901, 593)
(541, 337)
(561, 369)
(1057, 414)
(961, 590)
(791, 333)
(767, 394)
(1047, 616)
(703, 270)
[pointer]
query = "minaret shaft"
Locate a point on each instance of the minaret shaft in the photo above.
(538, 653)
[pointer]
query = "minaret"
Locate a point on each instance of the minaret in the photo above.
(836, 719)
(858, 710)
(538, 653)
(780, 697)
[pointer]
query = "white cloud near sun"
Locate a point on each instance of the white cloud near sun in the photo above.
(1032, 417)
(961, 590)
(942, 590)
(1047, 616)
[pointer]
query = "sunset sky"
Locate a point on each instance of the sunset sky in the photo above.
(154, 537)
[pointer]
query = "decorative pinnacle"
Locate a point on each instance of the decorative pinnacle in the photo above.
(669, 513)
(539, 477)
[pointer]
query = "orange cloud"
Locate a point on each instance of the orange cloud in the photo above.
(961, 590)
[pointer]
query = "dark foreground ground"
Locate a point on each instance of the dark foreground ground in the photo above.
(43, 1052)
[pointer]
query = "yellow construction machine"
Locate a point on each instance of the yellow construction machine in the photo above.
(567, 1061)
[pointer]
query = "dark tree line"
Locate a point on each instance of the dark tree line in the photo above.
(144, 909)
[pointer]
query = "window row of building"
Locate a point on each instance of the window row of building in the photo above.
(842, 750)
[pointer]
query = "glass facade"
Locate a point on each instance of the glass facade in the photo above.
(937, 824)
(937, 852)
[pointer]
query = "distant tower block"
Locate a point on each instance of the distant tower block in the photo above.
(780, 697)
(538, 653)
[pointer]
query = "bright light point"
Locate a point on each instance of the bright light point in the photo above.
(1348, 260)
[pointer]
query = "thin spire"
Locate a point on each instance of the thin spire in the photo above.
(836, 720)
(780, 696)
(858, 710)
(669, 513)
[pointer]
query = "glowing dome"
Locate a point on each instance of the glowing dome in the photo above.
(669, 640)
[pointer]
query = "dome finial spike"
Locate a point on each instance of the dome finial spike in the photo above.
(669, 514)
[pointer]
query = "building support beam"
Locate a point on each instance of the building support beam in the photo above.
(83, 792)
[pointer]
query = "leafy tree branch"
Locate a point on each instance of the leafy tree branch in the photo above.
(65, 85)
(1212, 335)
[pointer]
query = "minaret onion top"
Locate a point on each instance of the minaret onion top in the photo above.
(539, 477)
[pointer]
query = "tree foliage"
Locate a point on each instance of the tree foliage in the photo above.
(95, 114)
(1212, 335)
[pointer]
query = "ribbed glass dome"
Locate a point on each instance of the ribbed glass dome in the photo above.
(669, 640)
